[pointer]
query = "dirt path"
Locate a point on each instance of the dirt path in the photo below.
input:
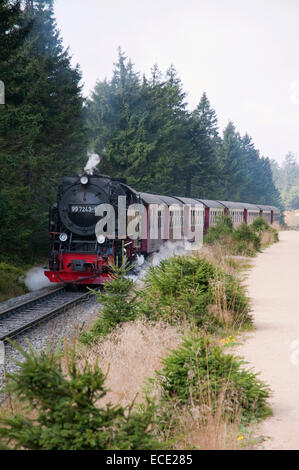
(273, 286)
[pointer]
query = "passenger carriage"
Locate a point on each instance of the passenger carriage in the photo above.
(266, 212)
(213, 210)
(169, 218)
(235, 210)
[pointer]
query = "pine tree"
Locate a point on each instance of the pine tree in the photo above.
(41, 129)
(252, 188)
(168, 130)
(270, 194)
(13, 28)
(286, 179)
(139, 127)
(231, 160)
(290, 173)
(144, 133)
(204, 165)
(114, 120)
(69, 409)
(246, 176)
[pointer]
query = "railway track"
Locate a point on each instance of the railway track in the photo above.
(17, 319)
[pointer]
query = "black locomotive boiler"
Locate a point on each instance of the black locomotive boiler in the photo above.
(77, 254)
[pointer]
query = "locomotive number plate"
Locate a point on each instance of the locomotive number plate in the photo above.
(83, 208)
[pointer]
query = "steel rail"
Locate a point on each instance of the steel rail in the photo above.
(15, 320)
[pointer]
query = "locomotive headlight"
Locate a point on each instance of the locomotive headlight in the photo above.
(84, 180)
(101, 239)
(63, 237)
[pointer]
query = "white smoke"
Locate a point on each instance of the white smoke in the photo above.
(166, 251)
(140, 260)
(93, 160)
(35, 279)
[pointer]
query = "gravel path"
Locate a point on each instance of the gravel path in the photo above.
(64, 325)
(273, 348)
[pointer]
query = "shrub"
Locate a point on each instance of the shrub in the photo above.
(259, 224)
(275, 235)
(242, 248)
(183, 287)
(222, 229)
(245, 234)
(261, 227)
(11, 284)
(68, 414)
(199, 373)
(244, 240)
(118, 302)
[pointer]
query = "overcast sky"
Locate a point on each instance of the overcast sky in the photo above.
(243, 53)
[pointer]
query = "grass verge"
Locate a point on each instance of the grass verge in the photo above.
(245, 240)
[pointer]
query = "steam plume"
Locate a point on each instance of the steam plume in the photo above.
(93, 160)
(35, 279)
(166, 251)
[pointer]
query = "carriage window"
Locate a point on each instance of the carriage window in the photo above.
(171, 219)
(213, 217)
(192, 217)
(159, 219)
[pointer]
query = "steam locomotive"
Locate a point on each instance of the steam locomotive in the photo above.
(82, 249)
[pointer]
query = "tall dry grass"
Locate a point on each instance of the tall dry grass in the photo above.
(214, 433)
(267, 238)
(221, 256)
(131, 354)
(219, 308)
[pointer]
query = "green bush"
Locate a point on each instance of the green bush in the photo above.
(260, 225)
(244, 240)
(242, 248)
(275, 233)
(118, 300)
(222, 229)
(11, 284)
(183, 287)
(244, 234)
(199, 373)
(67, 409)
